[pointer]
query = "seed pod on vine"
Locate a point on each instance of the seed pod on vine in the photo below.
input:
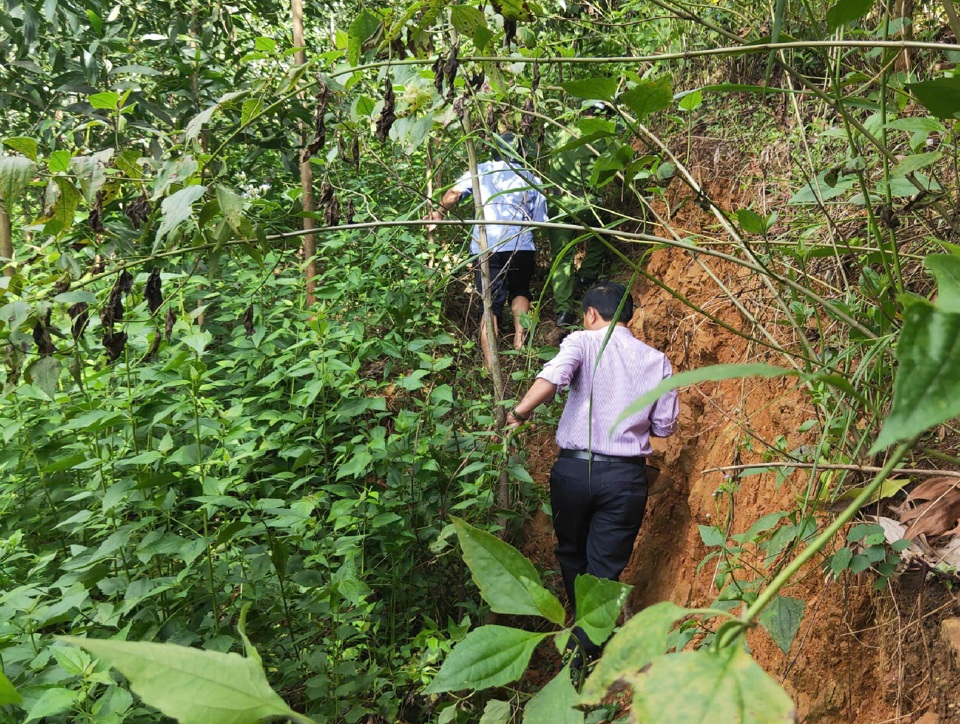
(168, 326)
(476, 80)
(138, 210)
(319, 123)
(459, 107)
(349, 212)
(387, 115)
(80, 316)
(248, 321)
(113, 344)
(535, 83)
(152, 292)
(527, 121)
(95, 217)
(41, 335)
(450, 71)
(329, 203)
(492, 122)
(438, 75)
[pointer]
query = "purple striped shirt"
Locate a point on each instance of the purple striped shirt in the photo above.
(627, 369)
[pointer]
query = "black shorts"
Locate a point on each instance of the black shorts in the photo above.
(510, 276)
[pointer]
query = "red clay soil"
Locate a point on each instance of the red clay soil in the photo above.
(860, 655)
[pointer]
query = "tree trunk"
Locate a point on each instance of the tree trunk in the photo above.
(6, 240)
(306, 170)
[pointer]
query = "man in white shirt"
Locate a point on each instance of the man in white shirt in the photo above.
(508, 193)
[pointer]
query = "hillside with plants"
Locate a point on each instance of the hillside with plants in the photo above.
(253, 466)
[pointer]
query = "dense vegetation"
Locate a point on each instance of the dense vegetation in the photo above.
(209, 425)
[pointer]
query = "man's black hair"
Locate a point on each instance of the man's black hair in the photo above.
(605, 297)
(506, 147)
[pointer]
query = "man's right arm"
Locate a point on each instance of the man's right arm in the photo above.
(449, 200)
(666, 410)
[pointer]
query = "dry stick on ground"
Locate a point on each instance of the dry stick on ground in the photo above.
(833, 466)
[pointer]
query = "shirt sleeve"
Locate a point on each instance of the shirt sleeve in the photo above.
(562, 368)
(666, 410)
(539, 210)
(464, 184)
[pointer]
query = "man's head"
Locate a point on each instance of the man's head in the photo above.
(604, 299)
(506, 147)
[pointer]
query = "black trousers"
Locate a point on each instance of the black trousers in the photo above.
(597, 511)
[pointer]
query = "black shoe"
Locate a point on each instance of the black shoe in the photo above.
(566, 319)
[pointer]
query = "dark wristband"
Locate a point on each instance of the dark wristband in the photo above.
(522, 418)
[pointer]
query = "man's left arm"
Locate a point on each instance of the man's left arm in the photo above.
(666, 410)
(541, 391)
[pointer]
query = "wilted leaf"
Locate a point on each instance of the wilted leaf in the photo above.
(191, 685)
(488, 656)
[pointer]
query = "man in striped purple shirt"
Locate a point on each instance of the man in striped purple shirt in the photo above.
(598, 485)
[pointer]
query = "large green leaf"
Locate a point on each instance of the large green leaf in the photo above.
(648, 97)
(488, 656)
(467, 19)
(8, 695)
(846, 11)
(598, 604)
(191, 685)
(926, 390)
(915, 163)
(782, 620)
(52, 702)
(22, 144)
(713, 373)
(940, 96)
(600, 89)
(554, 703)
(45, 373)
(177, 208)
(706, 687)
(507, 580)
(642, 638)
(496, 711)
(946, 268)
(15, 174)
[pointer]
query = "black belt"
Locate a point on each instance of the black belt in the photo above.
(600, 458)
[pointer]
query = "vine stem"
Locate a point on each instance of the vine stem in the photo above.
(783, 578)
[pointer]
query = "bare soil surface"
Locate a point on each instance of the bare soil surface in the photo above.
(860, 655)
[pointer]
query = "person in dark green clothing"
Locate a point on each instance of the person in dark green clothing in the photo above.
(573, 200)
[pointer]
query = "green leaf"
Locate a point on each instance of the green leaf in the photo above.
(712, 536)
(782, 620)
(196, 124)
(45, 373)
(177, 208)
(507, 580)
(554, 703)
(648, 97)
(638, 642)
(819, 189)
(926, 390)
(917, 124)
(518, 10)
(846, 11)
(8, 695)
(840, 561)
(915, 163)
(751, 222)
(265, 44)
(488, 656)
(713, 373)
(496, 712)
(706, 687)
(467, 19)
(946, 269)
(108, 100)
(231, 205)
(22, 144)
(940, 96)
(191, 685)
(600, 89)
(76, 297)
(598, 604)
(51, 702)
(59, 162)
(15, 174)
(691, 101)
